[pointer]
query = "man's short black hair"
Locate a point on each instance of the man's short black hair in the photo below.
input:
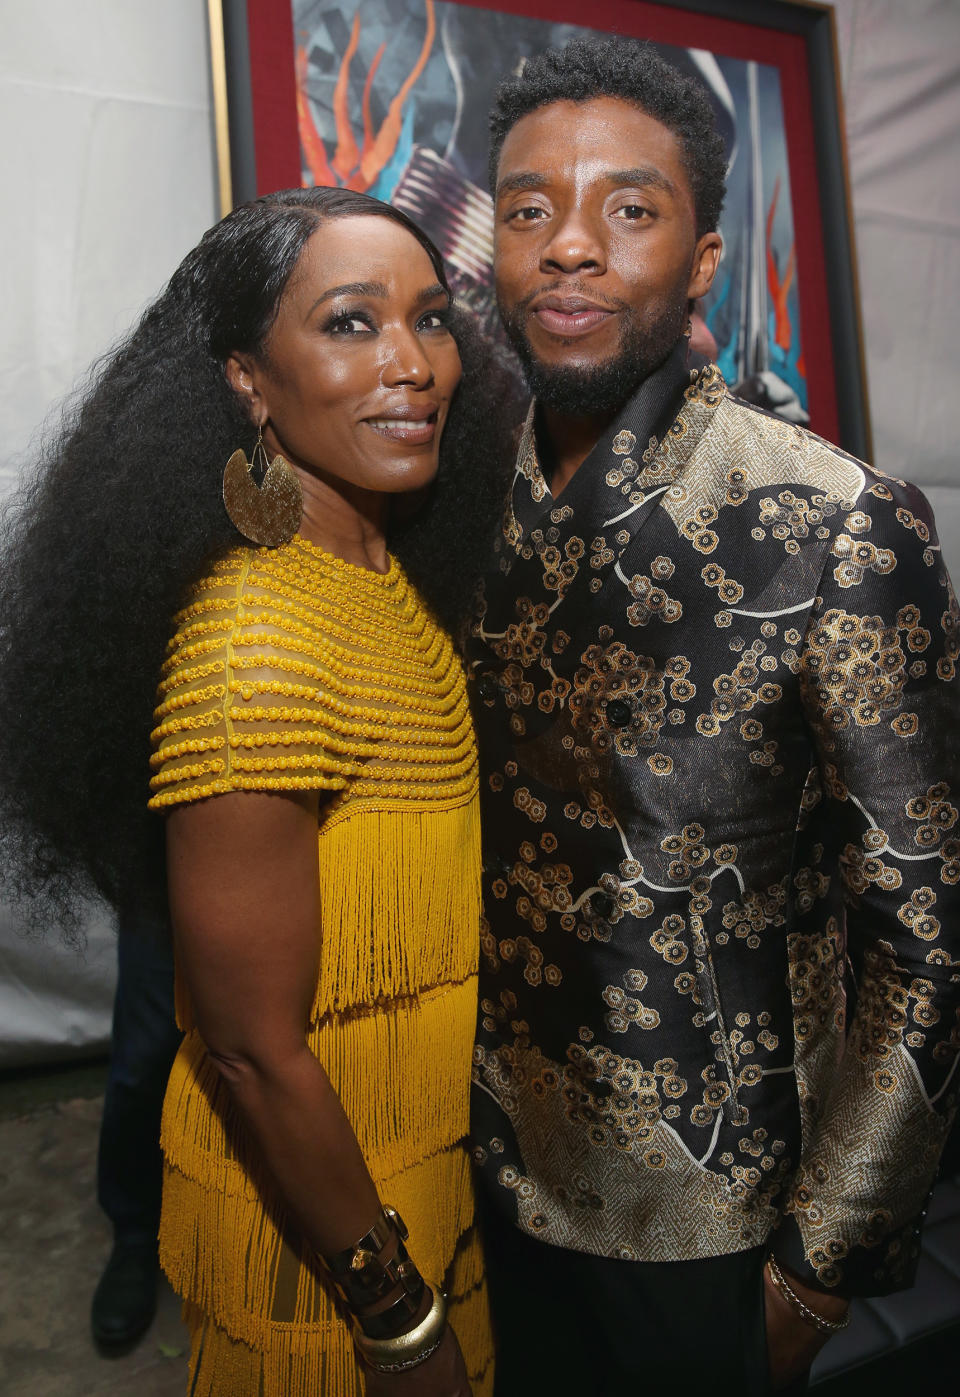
(634, 71)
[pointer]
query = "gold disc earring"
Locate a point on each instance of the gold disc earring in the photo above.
(268, 513)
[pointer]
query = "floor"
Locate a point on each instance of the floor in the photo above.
(53, 1244)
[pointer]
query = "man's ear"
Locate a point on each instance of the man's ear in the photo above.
(243, 379)
(706, 259)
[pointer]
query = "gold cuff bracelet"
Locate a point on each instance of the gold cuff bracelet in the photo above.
(410, 1349)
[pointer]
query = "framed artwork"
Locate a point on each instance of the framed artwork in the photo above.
(391, 97)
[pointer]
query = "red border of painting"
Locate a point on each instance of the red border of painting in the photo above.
(270, 25)
(273, 94)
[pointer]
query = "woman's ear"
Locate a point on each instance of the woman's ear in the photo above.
(242, 378)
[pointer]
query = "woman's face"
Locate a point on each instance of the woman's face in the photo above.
(358, 371)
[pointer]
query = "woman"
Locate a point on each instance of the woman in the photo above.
(328, 999)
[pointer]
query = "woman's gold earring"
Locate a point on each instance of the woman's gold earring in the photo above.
(268, 513)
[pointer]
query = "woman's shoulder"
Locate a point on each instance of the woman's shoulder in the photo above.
(244, 700)
(209, 612)
(275, 602)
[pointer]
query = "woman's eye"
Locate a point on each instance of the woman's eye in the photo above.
(433, 320)
(348, 325)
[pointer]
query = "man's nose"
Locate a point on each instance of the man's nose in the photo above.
(575, 245)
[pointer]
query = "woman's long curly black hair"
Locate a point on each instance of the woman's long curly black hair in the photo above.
(125, 510)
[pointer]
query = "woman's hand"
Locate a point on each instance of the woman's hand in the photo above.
(792, 1343)
(440, 1375)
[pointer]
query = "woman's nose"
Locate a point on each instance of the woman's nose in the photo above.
(406, 361)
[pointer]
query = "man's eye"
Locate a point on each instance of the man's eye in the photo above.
(528, 214)
(632, 211)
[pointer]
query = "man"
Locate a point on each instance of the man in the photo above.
(714, 678)
(129, 1166)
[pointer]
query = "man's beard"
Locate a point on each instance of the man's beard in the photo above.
(598, 389)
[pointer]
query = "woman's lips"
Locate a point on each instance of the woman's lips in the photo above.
(412, 431)
(570, 321)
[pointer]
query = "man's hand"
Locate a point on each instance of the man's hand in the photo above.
(440, 1375)
(793, 1343)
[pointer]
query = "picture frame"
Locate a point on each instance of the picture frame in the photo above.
(254, 61)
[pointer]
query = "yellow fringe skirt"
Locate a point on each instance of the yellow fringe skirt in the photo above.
(394, 1029)
(262, 1317)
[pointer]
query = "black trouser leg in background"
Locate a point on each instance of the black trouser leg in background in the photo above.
(145, 1042)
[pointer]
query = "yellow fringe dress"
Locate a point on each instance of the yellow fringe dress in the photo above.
(291, 670)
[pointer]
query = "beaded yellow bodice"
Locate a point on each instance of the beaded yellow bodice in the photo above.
(291, 669)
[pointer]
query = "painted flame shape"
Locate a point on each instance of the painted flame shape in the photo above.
(779, 291)
(353, 167)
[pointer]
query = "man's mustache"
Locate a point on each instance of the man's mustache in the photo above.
(570, 288)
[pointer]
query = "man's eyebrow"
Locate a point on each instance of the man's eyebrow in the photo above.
(644, 176)
(523, 179)
(372, 288)
(641, 176)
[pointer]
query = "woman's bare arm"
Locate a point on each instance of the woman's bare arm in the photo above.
(242, 873)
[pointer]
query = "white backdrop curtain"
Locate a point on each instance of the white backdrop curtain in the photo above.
(108, 177)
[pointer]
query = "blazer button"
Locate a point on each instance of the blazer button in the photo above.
(619, 713)
(487, 686)
(602, 904)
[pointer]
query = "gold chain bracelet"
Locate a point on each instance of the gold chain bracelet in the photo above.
(825, 1326)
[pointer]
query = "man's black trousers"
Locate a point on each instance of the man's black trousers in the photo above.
(573, 1325)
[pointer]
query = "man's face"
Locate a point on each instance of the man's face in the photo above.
(595, 254)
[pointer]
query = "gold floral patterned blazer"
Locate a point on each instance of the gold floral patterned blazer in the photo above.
(716, 691)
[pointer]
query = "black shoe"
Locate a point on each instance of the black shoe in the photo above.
(125, 1300)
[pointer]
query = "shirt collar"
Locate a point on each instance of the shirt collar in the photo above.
(609, 480)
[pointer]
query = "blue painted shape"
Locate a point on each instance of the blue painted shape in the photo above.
(389, 176)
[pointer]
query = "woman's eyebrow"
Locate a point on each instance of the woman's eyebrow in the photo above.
(430, 293)
(349, 288)
(372, 288)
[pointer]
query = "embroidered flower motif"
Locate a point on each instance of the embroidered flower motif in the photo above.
(858, 667)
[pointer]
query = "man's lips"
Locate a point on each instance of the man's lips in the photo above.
(569, 316)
